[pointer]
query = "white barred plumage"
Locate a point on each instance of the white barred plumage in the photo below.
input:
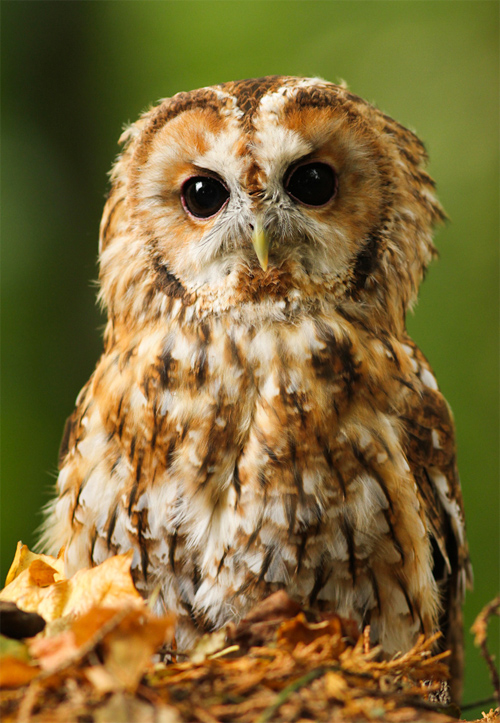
(260, 418)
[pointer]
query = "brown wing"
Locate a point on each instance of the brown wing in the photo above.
(431, 453)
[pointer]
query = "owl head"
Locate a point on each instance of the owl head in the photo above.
(274, 191)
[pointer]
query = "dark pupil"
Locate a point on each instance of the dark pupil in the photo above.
(313, 184)
(204, 196)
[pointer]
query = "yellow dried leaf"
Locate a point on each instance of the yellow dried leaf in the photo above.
(37, 585)
(24, 557)
(42, 574)
(48, 601)
(108, 585)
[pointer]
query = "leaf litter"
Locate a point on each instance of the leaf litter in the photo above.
(104, 657)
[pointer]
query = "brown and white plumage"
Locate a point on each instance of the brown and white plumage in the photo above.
(254, 427)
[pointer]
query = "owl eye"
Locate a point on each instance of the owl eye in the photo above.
(313, 184)
(203, 196)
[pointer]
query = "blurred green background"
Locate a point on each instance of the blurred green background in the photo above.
(74, 72)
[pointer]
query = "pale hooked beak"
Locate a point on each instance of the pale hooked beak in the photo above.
(261, 244)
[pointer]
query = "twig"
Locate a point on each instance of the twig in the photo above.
(28, 702)
(477, 703)
(480, 630)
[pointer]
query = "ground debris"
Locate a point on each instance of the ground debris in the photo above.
(98, 662)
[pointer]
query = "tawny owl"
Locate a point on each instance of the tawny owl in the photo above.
(259, 418)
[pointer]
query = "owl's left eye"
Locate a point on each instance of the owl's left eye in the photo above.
(203, 196)
(313, 184)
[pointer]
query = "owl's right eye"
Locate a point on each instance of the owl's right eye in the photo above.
(203, 196)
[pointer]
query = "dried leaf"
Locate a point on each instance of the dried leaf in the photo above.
(42, 574)
(208, 645)
(89, 624)
(278, 606)
(38, 586)
(109, 585)
(260, 625)
(298, 630)
(128, 638)
(128, 648)
(24, 557)
(15, 673)
(53, 652)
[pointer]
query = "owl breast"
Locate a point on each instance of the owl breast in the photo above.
(249, 457)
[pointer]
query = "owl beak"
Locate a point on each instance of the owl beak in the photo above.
(261, 244)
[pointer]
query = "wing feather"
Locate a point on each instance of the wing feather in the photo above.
(431, 453)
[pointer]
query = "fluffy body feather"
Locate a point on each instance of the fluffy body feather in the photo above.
(249, 430)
